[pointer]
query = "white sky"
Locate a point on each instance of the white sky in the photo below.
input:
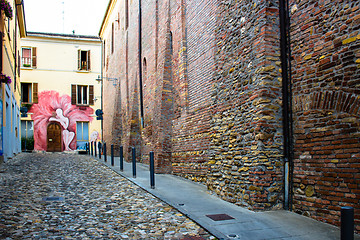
(64, 16)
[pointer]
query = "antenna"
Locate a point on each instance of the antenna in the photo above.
(63, 16)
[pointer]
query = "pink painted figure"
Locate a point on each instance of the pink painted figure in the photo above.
(94, 136)
(53, 107)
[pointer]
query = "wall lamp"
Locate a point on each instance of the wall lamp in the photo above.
(113, 80)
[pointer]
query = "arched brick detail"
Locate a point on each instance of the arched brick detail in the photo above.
(331, 100)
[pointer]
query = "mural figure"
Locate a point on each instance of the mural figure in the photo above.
(94, 136)
(55, 108)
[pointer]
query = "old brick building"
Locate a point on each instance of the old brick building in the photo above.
(204, 89)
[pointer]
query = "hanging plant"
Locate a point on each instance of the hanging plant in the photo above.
(5, 79)
(5, 6)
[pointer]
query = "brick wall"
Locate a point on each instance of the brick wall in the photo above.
(246, 129)
(212, 98)
(192, 84)
(325, 39)
(177, 76)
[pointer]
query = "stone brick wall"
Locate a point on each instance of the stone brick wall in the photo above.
(213, 105)
(246, 162)
(325, 38)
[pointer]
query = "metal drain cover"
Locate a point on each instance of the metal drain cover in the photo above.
(53, 199)
(220, 217)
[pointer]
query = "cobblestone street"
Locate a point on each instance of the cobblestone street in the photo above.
(70, 196)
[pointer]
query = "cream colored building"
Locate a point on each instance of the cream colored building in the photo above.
(12, 28)
(60, 90)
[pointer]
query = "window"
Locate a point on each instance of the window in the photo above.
(27, 129)
(29, 92)
(28, 58)
(82, 97)
(82, 135)
(82, 94)
(83, 60)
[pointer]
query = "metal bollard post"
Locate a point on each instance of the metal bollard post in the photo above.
(152, 170)
(105, 155)
(95, 149)
(112, 155)
(91, 149)
(347, 223)
(134, 162)
(121, 158)
(99, 146)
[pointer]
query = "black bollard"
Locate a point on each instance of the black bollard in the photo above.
(99, 146)
(112, 155)
(95, 151)
(152, 170)
(121, 158)
(347, 223)
(91, 149)
(134, 162)
(105, 155)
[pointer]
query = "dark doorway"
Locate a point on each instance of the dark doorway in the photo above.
(54, 138)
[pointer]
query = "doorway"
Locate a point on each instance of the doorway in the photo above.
(54, 138)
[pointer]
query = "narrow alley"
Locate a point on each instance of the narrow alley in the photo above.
(68, 196)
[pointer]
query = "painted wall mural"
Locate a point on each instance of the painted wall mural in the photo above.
(52, 107)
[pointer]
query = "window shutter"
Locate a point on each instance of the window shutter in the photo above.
(34, 62)
(79, 59)
(18, 66)
(91, 95)
(73, 94)
(88, 60)
(35, 92)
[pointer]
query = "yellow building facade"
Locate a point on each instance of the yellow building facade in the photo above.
(12, 28)
(60, 91)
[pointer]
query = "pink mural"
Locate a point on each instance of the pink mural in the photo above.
(55, 108)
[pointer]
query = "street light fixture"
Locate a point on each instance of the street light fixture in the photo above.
(100, 116)
(113, 80)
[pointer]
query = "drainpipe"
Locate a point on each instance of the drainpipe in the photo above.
(287, 101)
(140, 69)
(102, 80)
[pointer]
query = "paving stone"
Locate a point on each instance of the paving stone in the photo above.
(67, 196)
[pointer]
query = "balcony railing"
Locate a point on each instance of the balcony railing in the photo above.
(26, 62)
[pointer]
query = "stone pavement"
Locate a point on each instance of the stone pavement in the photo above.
(68, 196)
(194, 201)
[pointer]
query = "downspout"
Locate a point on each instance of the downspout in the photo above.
(140, 68)
(102, 80)
(287, 101)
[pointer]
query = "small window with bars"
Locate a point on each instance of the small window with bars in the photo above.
(28, 57)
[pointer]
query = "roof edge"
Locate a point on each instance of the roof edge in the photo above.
(65, 36)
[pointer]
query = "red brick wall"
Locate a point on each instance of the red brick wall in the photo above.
(192, 83)
(176, 85)
(325, 39)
